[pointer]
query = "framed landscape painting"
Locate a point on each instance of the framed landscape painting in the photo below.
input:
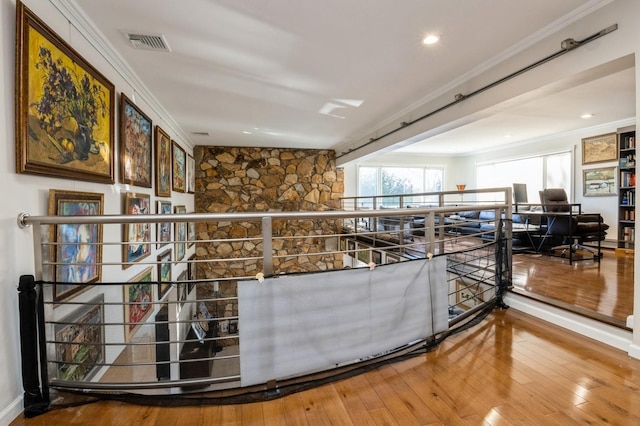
(135, 144)
(77, 253)
(163, 163)
(138, 295)
(137, 236)
(599, 182)
(600, 149)
(179, 169)
(80, 342)
(64, 107)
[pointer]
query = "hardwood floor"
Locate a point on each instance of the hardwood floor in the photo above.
(510, 369)
(601, 290)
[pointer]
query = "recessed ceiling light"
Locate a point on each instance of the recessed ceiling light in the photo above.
(246, 132)
(430, 39)
(508, 135)
(585, 116)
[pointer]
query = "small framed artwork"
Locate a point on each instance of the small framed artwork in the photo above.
(179, 168)
(164, 273)
(182, 289)
(163, 163)
(138, 298)
(137, 236)
(191, 174)
(64, 107)
(192, 272)
(80, 342)
(376, 257)
(191, 232)
(180, 234)
(472, 294)
(599, 182)
(164, 228)
(135, 144)
(391, 258)
(363, 254)
(77, 253)
(600, 149)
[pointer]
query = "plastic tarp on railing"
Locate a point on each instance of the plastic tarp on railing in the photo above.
(298, 324)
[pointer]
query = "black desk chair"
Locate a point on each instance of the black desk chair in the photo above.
(574, 227)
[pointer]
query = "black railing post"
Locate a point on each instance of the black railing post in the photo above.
(34, 403)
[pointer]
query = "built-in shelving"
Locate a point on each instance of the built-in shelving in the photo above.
(627, 191)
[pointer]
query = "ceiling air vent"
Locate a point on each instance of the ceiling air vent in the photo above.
(200, 133)
(148, 42)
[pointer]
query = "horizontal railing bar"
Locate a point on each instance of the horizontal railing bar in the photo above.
(25, 219)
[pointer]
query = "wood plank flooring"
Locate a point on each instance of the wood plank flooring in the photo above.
(601, 290)
(510, 369)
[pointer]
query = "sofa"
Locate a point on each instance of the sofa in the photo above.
(481, 223)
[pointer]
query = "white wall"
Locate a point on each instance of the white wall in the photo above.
(29, 193)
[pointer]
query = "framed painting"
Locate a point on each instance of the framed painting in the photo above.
(179, 162)
(135, 144)
(77, 249)
(192, 272)
(64, 107)
(137, 236)
(600, 149)
(191, 232)
(180, 234)
(599, 182)
(191, 174)
(164, 273)
(163, 163)
(472, 294)
(80, 342)
(138, 297)
(163, 228)
(182, 289)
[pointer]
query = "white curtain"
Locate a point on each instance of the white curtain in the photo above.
(297, 324)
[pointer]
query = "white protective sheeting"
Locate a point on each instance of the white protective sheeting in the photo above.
(298, 324)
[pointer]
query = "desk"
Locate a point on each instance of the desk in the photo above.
(572, 229)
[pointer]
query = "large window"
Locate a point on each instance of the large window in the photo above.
(544, 171)
(389, 180)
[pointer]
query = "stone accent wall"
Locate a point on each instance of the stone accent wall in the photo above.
(231, 179)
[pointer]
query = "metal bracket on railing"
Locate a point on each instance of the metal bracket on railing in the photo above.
(21, 220)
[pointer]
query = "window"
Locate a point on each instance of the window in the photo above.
(544, 171)
(389, 180)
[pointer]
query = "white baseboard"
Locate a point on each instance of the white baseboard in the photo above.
(605, 333)
(12, 411)
(634, 351)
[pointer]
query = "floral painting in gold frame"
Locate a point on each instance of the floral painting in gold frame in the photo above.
(64, 107)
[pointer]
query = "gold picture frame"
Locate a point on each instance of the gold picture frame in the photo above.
(64, 107)
(163, 163)
(137, 236)
(135, 144)
(600, 149)
(77, 253)
(179, 162)
(138, 302)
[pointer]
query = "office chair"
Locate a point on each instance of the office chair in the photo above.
(574, 227)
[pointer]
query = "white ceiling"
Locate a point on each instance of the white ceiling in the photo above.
(314, 74)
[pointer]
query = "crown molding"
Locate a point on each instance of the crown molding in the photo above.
(79, 19)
